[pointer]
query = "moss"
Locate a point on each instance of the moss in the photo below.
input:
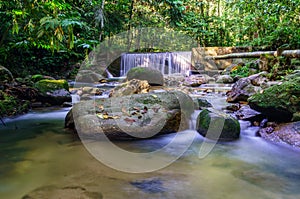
(283, 96)
(47, 85)
(10, 105)
(36, 78)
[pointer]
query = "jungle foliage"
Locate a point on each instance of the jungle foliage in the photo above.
(50, 36)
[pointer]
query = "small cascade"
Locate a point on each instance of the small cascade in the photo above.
(75, 98)
(167, 62)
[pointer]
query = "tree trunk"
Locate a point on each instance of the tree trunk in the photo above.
(286, 53)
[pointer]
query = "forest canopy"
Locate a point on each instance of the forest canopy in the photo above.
(48, 35)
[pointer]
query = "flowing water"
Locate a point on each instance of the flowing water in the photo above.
(36, 152)
(167, 63)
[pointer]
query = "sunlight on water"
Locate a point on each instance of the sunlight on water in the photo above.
(40, 153)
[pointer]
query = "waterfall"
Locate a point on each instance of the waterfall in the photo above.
(75, 98)
(167, 63)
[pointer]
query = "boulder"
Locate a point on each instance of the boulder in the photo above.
(246, 87)
(278, 102)
(211, 120)
(151, 75)
(225, 79)
(248, 114)
(57, 97)
(288, 133)
(134, 116)
(53, 92)
(131, 87)
(88, 76)
(47, 85)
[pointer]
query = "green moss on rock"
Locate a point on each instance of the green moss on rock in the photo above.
(10, 105)
(278, 102)
(47, 85)
(211, 120)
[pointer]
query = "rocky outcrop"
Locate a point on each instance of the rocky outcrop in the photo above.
(246, 87)
(279, 102)
(220, 125)
(151, 75)
(131, 87)
(288, 133)
(134, 116)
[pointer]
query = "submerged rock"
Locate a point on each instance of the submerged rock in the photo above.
(151, 75)
(221, 126)
(134, 116)
(278, 102)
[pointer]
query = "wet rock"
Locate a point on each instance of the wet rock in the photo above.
(245, 87)
(221, 126)
(248, 114)
(151, 75)
(278, 102)
(70, 192)
(131, 87)
(88, 76)
(197, 80)
(233, 107)
(226, 79)
(202, 103)
(56, 97)
(135, 116)
(173, 80)
(288, 133)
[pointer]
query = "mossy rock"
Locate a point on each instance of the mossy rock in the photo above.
(153, 76)
(10, 105)
(211, 120)
(47, 85)
(278, 102)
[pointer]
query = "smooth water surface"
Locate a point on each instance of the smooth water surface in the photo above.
(36, 151)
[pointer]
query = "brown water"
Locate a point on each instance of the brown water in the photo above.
(36, 151)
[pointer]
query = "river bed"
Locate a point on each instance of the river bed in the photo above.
(36, 151)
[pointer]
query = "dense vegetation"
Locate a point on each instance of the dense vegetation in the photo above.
(51, 36)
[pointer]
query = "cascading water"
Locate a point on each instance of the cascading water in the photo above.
(167, 62)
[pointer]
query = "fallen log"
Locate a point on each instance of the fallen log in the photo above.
(257, 54)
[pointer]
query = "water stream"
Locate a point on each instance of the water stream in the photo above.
(167, 62)
(36, 151)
